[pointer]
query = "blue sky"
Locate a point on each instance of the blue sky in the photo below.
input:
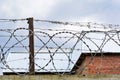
(101, 11)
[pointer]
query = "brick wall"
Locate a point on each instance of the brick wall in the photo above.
(106, 64)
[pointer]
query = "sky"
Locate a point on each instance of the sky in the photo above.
(101, 11)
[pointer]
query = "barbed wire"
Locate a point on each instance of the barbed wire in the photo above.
(12, 20)
(61, 46)
(83, 24)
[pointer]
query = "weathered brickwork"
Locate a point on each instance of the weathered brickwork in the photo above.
(100, 64)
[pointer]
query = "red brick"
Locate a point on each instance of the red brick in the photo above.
(104, 65)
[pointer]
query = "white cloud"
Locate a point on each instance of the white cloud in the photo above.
(25, 8)
(116, 1)
(91, 18)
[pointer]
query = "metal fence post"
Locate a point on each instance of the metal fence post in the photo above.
(31, 47)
